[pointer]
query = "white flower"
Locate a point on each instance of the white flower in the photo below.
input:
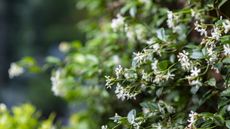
(118, 22)
(147, 2)
(104, 127)
(226, 25)
(155, 47)
(184, 60)
(216, 33)
(212, 54)
(15, 70)
(116, 59)
(196, 14)
(159, 126)
(169, 75)
(130, 33)
(116, 118)
(196, 82)
(130, 74)
(170, 20)
(57, 83)
(145, 76)
(173, 21)
(228, 108)
(2, 107)
(154, 65)
(140, 32)
(142, 57)
(158, 78)
(201, 29)
(150, 41)
(192, 119)
(138, 57)
(123, 94)
(118, 71)
(210, 51)
(226, 49)
(161, 77)
(109, 82)
(64, 47)
(146, 111)
(195, 72)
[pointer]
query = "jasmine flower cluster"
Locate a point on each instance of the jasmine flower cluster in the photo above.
(118, 22)
(15, 70)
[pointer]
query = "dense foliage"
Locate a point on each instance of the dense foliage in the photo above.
(154, 64)
(23, 117)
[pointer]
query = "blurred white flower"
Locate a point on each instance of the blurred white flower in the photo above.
(130, 33)
(118, 71)
(150, 41)
(226, 49)
(116, 118)
(57, 83)
(118, 22)
(159, 126)
(116, 59)
(15, 70)
(123, 94)
(216, 33)
(155, 47)
(145, 76)
(196, 82)
(228, 108)
(212, 54)
(192, 119)
(141, 57)
(145, 1)
(184, 60)
(154, 65)
(104, 127)
(2, 107)
(170, 20)
(140, 32)
(109, 82)
(195, 72)
(196, 14)
(201, 29)
(64, 47)
(226, 25)
(169, 75)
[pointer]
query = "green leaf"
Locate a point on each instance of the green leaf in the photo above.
(222, 3)
(161, 34)
(76, 44)
(159, 91)
(52, 60)
(163, 65)
(131, 116)
(227, 123)
(211, 82)
(192, 46)
(133, 11)
(197, 55)
(225, 39)
(27, 61)
(226, 60)
(225, 93)
(204, 51)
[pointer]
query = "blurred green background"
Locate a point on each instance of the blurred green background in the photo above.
(34, 28)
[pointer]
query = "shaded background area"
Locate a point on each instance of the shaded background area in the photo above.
(34, 28)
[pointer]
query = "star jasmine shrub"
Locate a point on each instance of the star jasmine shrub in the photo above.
(182, 73)
(146, 64)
